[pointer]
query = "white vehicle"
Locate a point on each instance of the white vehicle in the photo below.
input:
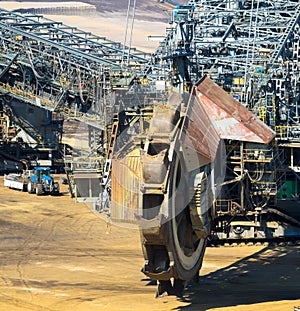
(16, 181)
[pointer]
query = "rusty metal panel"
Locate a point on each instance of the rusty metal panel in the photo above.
(125, 188)
(198, 132)
(230, 118)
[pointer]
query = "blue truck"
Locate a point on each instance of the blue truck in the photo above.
(41, 182)
(38, 181)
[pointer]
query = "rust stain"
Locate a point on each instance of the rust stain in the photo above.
(125, 177)
(230, 118)
(199, 133)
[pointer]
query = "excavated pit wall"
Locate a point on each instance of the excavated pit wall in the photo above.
(80, 10)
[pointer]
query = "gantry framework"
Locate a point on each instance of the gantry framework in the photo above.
(250, 48)
(63, 69)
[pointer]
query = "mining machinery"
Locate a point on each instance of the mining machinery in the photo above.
(219, 163)
(197, 143)
(51, 72)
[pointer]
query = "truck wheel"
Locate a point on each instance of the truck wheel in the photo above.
(55, 189)
(30, 187)
(39, 189)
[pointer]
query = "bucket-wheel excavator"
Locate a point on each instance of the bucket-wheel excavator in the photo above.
(169, 175)
(197, 143)
(210, 163)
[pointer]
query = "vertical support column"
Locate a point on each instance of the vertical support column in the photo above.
(242, 173)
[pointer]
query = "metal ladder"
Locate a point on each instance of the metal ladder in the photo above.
(110, 151)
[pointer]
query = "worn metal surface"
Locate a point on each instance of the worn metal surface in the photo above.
(198, 133)
(230, 118)
(125, 178)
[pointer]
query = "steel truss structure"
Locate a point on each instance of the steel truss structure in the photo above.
(250, 48)
(62, 68)
(60, 72)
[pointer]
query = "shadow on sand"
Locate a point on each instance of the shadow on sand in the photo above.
(270, 275)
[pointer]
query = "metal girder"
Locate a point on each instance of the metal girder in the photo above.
(29, 26)
(250, 48)
(62, 68)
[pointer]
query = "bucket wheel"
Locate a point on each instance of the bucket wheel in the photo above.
(174, 202)
(187, 233)
(174, 249)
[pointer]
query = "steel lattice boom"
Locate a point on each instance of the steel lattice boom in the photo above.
(62, 68)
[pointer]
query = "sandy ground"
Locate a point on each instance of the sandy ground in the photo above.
(56, 254)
